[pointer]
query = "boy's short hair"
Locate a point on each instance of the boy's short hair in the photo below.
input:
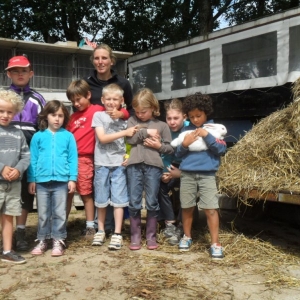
(198, 101)
(78, 88)
(12, 97)
(112, 88)
(18, 61)
(175, 104)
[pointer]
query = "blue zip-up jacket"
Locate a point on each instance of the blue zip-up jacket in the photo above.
(207, 161)
(27, 119)
(53, 157)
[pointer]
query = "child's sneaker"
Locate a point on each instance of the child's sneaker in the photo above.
(58, 248)
(13, 257)
(88, 233)
(99, 238)
(216, 252)
(21, 243)
(175, 239)
(40, 248)
(169, 230)
(116, 242)
(185, 244)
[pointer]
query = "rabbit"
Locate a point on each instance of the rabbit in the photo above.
(217, 130)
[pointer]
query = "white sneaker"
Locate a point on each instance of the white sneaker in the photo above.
(116, 242)
(99, 238)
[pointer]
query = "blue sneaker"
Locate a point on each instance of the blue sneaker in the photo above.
(216, 252)
(185, 244)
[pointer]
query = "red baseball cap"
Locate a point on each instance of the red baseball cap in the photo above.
(18, 61)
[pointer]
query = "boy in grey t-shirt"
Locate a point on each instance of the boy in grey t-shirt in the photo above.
(14, 160)
(110, 175)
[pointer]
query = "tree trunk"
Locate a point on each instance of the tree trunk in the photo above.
(205, 17)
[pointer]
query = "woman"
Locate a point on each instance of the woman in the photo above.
(103, 59)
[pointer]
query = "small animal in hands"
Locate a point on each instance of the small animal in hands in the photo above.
(217, 130)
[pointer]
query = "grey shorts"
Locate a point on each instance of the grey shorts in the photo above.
(191, 183)
(10, 198)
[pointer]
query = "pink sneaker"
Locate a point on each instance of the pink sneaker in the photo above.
(40, 248)
(58, 248)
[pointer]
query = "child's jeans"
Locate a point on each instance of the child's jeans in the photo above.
(52, 206)
(142, 177)
(166, 211)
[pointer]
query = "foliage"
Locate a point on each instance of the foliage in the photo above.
(133, 26)
(244, 10)
(139, 26)
(50, 21)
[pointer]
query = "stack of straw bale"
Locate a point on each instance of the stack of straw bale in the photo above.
(267, 158)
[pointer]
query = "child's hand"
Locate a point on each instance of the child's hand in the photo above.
(125, 161)
(32, 188)
(14, 174)
(71, 187)
(190, 138)
(6, 173)
(153, 142)
(115, 114)
(174, 172)
(131, 131)
(166, 177)
(200, 132)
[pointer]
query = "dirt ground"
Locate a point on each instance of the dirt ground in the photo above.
(262, 262)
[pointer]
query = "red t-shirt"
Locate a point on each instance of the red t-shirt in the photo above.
(80, 125)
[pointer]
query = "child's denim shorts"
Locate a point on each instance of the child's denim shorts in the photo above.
(110, 186)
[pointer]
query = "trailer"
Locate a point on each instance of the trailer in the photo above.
(247, 69)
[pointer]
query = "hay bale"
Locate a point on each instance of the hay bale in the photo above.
(267, 158)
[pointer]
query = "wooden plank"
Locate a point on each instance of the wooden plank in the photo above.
(287, 197)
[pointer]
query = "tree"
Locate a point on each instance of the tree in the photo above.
(50, 21)
(244, 11)
(139, 26)
(127, 25)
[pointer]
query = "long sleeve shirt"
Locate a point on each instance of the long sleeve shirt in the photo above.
(14, 151)
(53, 157)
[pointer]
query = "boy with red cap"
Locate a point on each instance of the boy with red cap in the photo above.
(19, 70)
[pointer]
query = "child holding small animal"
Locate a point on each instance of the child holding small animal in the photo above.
(198, 170)
(145, 165)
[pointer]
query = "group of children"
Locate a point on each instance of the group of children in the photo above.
(86, 152)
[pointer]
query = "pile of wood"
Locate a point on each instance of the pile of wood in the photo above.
(267, 158)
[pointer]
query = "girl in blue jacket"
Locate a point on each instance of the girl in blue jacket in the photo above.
(51, 175)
